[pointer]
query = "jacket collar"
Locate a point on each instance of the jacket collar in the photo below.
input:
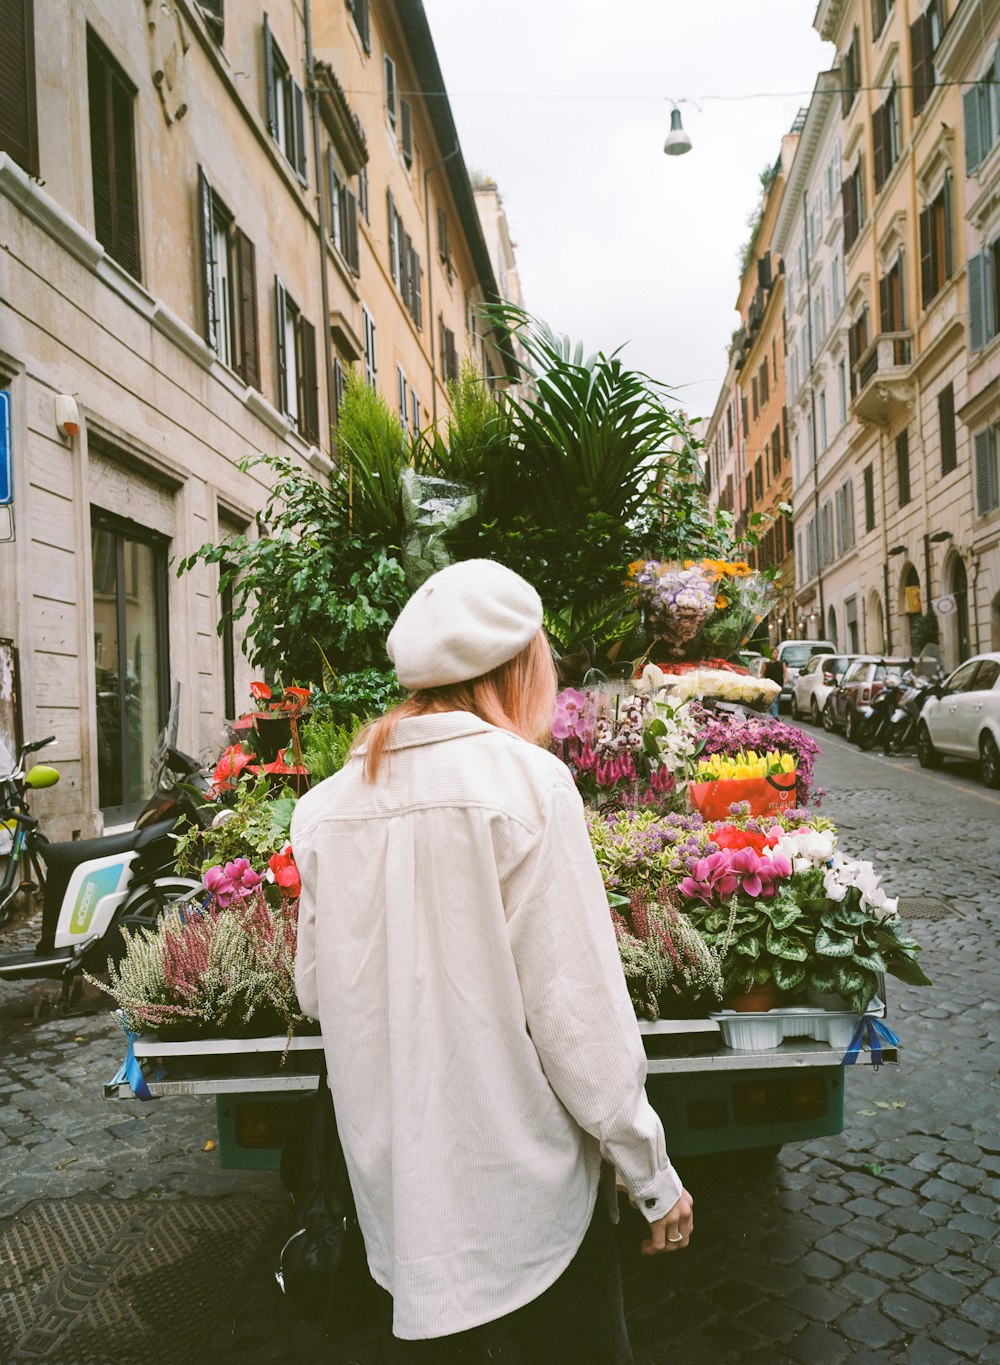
(433, 728)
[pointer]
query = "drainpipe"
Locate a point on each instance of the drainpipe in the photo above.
(324, 280)
(975, 598)
(430, 281)
(812, 410)
(885, 541)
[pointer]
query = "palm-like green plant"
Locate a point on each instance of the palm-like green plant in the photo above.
(373, 450)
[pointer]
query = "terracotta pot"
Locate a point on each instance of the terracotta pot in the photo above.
(757, 1000)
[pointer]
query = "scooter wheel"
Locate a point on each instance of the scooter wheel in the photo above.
(867, 734)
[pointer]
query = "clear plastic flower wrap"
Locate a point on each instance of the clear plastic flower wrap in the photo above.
(432, 508)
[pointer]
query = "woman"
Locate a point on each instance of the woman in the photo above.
(456, 945)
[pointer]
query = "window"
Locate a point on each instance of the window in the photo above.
(826, 534)
(229, 287)
(881, 9)
(402, 398)
(903, 466)
(339, 385)
(776, 451)
(832, 179)
(449, 353)
(130, 658)
(793, 371)
(845, 517)
(415, 412)
(836, 284)
(18, 110)
(112, 157)
(796, 462)
(214, 14)
(756, 397)
(758, 477)
(343, 208)
(406, 132)
(842, 391)
(286, 106)
(851, 621)
(819, 318)
(748, 490)
(857, 344)
(981, 106)
(886, 138)
(946, 427)
(298, 389)
(359, 13)
(404, 263)
(390, 90)
(764, 389)
(850, 74)
(363, 194)
(925, 34)
(984, 280)
(869, 477)
(936, 250)
(890, 297)
(821, 415)
(810, 442)
(371, 358)
(852, 193)
(987, 475)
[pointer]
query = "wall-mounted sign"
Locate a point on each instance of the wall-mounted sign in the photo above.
(913, 607)
(6, 471)
(945, 606)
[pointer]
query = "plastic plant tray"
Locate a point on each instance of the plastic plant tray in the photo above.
(762, 1032)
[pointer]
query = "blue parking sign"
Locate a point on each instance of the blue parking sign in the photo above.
(6, 475)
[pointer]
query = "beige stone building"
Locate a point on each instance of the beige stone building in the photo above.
(198, 239)
(910, 454)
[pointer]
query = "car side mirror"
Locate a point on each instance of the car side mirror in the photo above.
(829, 678)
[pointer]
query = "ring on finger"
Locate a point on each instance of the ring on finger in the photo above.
(676, 1239)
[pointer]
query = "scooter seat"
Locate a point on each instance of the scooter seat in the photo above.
(77, 851)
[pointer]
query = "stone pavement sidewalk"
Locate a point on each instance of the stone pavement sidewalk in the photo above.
(879, 1244)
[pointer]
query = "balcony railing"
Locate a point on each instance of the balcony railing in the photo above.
(882, 377)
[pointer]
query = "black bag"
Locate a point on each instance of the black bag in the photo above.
(323, 1268)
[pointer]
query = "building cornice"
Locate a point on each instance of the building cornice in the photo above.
(962, 44)
(828, 18)
(340, 120)
(810, 141)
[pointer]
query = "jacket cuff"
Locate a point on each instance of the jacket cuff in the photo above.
(657, 1199)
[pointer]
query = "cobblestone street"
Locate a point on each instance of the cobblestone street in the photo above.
(880, 1244)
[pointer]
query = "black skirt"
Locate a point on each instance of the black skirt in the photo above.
(579, 1320)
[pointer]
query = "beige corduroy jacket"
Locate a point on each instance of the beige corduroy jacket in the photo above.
(483, 1054)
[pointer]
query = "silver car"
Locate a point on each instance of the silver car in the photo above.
(961, 719)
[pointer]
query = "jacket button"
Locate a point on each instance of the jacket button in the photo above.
(650, 1203)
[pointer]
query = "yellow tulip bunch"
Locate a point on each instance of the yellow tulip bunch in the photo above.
(747, 763)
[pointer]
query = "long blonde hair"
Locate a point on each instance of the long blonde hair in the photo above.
(519, 696)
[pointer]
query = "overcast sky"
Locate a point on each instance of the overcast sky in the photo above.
(565, 104)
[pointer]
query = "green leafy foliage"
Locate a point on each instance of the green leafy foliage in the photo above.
(326, 744)
(364, 693)
(254, 826)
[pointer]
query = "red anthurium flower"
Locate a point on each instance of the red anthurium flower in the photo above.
(229, 767)
(260, 691)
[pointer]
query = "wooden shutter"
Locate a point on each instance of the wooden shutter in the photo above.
(349, 229)
(359, 9)
(390, 89)
(416, 289)
(922, 68)
(393, 238)
(444, 246)
(879, 141)
(974, 150)
(126, 199)
(246, 300)
(978, 274)
(299, 131)
(214, 12)
(112, 148)
(847, 78)
(98, 77)
(269, 81)
(987, 490)
(18, 112)
(927, 285)
(280, 306)
(885, 304)
(404, 266)
(406, 131)
(903, 466)
(946, 429)
(947, 214)
(850, 221)
(869, 498)
(308, 382)
(210, 307)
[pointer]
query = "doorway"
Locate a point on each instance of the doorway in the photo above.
(130, 659)
(959, 588)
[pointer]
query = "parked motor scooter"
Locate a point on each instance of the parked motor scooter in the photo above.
(901, 733)
(92, 888)
(877, 717)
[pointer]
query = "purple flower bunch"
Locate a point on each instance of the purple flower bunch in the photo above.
(727, 735)
(723, 874)
(677, 601)
(234, 881)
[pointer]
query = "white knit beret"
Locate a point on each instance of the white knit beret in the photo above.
(466, 620)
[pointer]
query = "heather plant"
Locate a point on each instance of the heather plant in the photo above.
(211, 970)
(670, 970)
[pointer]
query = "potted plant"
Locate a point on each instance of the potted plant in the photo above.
(275, 722)
(670, 970)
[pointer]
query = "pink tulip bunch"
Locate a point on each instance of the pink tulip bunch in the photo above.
(236, 880)
(724, 874)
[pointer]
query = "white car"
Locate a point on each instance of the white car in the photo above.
(795, 654)
(819, 676)
(961, 719)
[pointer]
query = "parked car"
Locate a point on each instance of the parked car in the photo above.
(795, 654)
(752, 661)
(816, 680)
(861, 682)
(961, 718)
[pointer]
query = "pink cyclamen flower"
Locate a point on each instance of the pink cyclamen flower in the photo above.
(237, 879)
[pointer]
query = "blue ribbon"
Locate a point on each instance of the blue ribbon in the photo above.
(873, 1032)
(131, 1070)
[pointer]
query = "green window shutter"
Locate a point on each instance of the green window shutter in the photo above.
(987, 485)
(280, 308)
(210, 311)
(269, 81)
(977, 302)
(308, 379)
(349, 229)
(972, 105)
(299, 132)
(246, 275)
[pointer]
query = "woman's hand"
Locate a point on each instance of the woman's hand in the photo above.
(673, 1231)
